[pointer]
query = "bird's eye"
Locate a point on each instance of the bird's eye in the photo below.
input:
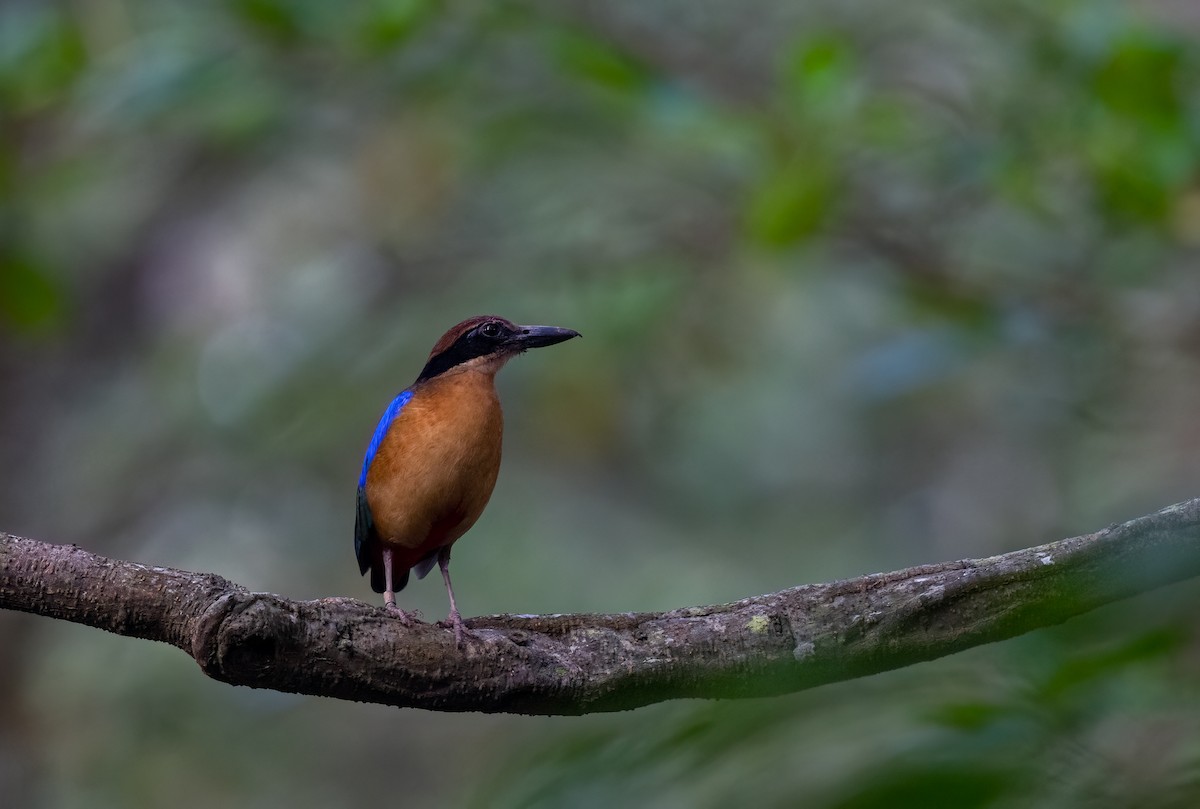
(490, 330)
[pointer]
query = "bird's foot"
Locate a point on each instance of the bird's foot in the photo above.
(406, 618)
(456, 622)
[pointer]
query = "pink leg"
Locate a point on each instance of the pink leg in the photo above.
(455, 618)
(389, 596)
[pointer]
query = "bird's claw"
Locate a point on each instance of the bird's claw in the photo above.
(454, 621)
(406, 618)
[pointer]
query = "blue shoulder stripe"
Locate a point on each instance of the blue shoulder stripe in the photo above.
(389, 416)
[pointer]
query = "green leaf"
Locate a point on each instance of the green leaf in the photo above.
(42, 55)
(820, 63)
(1142, 80)
(821, 75)
(389, 24)
(598, 61)
(793, 203)
(277, 20)
(1085, 669)
(29, 300)
(967, 715)
(962, 787)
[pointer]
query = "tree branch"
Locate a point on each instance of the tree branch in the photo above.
(573, 664)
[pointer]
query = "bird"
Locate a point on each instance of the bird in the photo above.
(433, 459)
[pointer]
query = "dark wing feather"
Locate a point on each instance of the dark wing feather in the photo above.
(365, 538)
(366, 548)
(425, 565)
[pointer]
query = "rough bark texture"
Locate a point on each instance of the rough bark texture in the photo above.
(573, 664)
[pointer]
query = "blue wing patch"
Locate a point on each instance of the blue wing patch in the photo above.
(364, 525)
(389, 416)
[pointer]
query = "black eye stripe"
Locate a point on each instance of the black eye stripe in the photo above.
(484, 339)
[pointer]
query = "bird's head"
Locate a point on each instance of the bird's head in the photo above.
(486, 342)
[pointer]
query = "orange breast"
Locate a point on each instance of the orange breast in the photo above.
(437, 466)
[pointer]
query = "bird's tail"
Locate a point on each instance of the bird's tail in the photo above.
(379, 583)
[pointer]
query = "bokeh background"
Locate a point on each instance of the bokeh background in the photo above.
(862, 285)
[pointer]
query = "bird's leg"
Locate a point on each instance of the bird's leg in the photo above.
(389, 596)
(455, 618)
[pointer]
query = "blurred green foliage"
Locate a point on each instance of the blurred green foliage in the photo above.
(862, 285)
